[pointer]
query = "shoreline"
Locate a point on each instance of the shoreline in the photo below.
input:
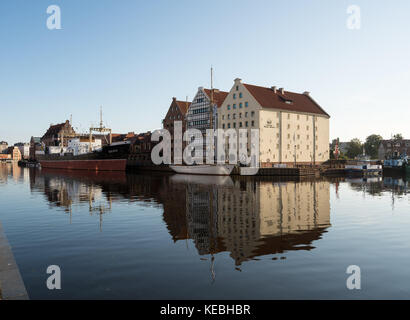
(11, 283)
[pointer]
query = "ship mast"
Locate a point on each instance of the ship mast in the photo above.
(100, 129)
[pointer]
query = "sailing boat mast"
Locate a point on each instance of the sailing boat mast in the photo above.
(211, 111)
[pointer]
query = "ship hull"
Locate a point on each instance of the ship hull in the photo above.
(91, 165)
(217, 170)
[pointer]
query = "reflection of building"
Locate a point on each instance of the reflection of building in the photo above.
(257, 218)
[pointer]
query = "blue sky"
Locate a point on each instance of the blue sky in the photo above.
(133, 56)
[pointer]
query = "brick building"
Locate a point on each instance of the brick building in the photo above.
(55, 135)
(176, 112)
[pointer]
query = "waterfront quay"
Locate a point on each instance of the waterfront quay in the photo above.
(11, 283)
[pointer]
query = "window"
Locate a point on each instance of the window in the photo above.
(229, 116)
(234, 106)
(288, 135)
(237, 88)
(298, 136)
(234, 116)
(234, 124)
(229, 107)
(240, 105)
(223, 117)
(246, 123)
(307, 128)
(229, 125)
(234, 95)
(246, 104)
(223, 126)
(298, 126)
(246, 114)
(288, 146)
(240, 124)
(288, 126)
(253, 123)
(240, 115)
(252, 113)
(240, 94)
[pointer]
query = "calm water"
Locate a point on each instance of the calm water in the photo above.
(135, 236)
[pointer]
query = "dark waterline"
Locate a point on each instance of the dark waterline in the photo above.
(130, 236)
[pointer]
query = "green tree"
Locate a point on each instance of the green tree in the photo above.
(371, 146)
(398, 137)
(354, 148)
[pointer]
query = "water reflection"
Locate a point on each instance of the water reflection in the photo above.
(246, 217)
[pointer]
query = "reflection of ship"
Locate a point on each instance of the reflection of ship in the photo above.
(204, 180)
(206, 169)
(246, 217)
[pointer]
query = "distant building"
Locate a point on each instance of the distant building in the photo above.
(120, 137)
(176, 112)
(14, 153)
(24, 149)
(35, 147)
(78, 146)
(57, 135)
(393, 148)
(3, 146)
(141, 148)
(293, 128)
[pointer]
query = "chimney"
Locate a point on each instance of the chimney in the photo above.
(273, 89)
(282, 91)
(306, 93)
(174, 99)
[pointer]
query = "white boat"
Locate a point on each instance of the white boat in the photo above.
(248, 171)
(207, 169)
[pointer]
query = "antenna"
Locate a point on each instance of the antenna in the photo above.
(101, 118)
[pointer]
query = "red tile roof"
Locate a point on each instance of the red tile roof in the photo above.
(219, 96)
(300, 102)
(183, 106)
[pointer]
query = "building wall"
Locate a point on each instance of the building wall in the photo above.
(234, 114)
(174, 114)
(280, 130)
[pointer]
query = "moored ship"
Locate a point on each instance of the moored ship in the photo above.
(112, 157)
(69, 150)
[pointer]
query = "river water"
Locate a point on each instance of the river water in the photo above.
(134, 236)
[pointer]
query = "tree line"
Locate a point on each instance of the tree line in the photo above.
(355, 147)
